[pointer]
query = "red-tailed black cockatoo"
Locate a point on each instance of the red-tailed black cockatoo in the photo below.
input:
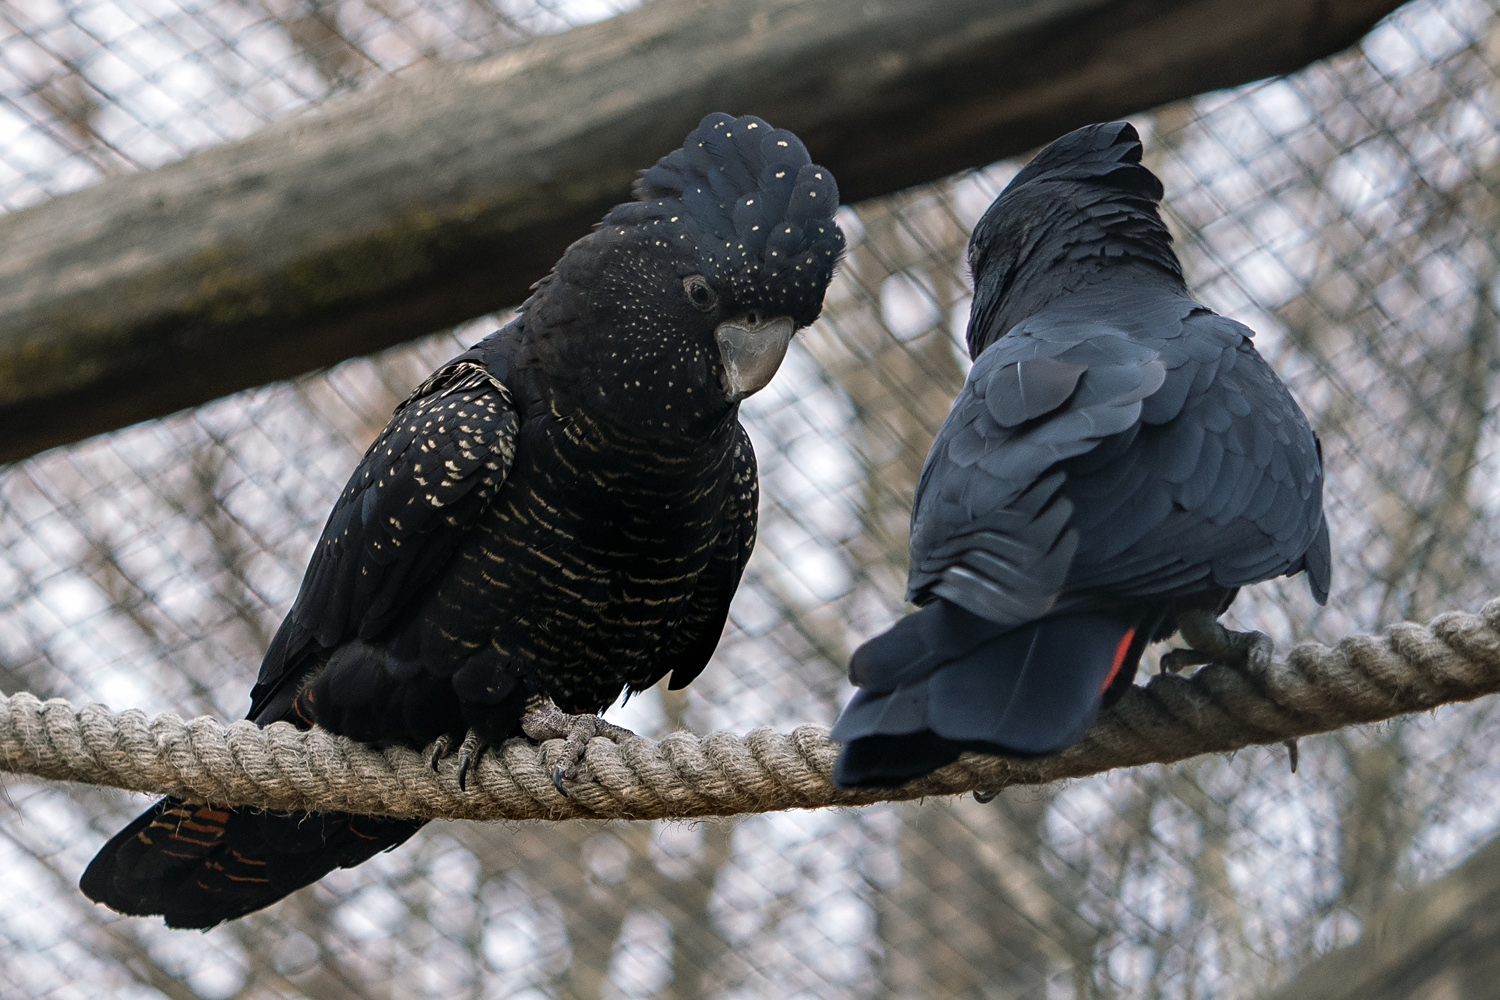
(558, 515)
(1119, 463)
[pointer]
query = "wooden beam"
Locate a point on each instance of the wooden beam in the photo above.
(443, 194)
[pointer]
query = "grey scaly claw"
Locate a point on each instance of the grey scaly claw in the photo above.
(469, 752)
(468, 756)
(438, 751)
(545, 721)
(1175, 661)
(1210, 642)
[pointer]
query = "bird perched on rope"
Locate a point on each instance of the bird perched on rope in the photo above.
(558, 515)
(1119, 463)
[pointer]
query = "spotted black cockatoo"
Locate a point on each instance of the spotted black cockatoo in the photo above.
(558, 515)
(1119, 463)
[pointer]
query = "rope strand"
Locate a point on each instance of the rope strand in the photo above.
(1409, 668)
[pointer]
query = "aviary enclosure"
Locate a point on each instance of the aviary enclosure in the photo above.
(152, 258)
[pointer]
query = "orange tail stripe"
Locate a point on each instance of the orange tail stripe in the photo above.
(244, 860)
(192, 840)
(188, 824)
(1121, 649)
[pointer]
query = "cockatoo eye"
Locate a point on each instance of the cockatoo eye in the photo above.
(699, 292)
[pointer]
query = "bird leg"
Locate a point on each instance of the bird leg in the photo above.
(1210, 642)
(469, 752)
(545, 721)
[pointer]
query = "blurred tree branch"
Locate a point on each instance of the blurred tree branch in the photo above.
(1432, 943)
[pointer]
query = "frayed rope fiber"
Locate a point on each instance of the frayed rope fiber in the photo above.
(1409, 668)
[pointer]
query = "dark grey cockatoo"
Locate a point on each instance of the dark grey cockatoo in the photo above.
(1119, 463)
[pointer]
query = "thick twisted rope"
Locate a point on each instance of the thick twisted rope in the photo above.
(1410, 668)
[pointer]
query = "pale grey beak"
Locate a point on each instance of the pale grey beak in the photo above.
(751, 346)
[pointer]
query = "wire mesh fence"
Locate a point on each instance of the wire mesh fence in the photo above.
(1348, 213)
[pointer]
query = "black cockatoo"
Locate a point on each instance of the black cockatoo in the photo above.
(1119, 463)
(558, 515)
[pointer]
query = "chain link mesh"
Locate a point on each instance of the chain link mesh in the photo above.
(1347, 212)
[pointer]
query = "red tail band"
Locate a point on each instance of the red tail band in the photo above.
(1121, 649)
